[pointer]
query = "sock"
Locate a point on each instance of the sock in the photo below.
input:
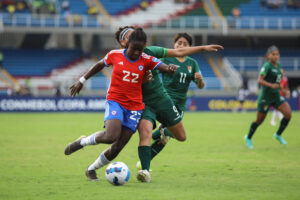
(283, 124)
(252, 129)
(274, 114)
(89, 140)
(99, 162)
(168, 133)
(156, 147)
(145, 156)
(156, 134)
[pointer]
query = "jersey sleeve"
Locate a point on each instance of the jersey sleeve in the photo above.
(108, 59)
(158, 52)
(264, 70)
(153, 63)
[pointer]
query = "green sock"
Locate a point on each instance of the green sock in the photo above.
(168, 133)
(156, 134)
(156, 147)
(145, 156)
(252, 129)
(283, 124)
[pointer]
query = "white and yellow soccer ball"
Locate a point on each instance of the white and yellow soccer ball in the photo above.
(117, 173)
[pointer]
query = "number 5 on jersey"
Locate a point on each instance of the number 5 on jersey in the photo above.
(127, 76)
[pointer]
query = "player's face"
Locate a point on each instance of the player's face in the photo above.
(181, 43)
(135, 50)
(126, 37)
(274, 56)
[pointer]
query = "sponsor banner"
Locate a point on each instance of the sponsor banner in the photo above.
(44, 104)
(228, 104)
(88, 104)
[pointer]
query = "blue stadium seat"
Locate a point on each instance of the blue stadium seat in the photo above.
(37, 62)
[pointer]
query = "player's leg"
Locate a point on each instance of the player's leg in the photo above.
(260, 117)
(178, 131)
(144, 149)
(285, 109)
(113, 111)
(273, 119)
(109, 154)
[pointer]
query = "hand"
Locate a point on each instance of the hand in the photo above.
(75, 88)
(172, 69)
(148, 77)
(198, 76)
(275, 85)
(213, 47)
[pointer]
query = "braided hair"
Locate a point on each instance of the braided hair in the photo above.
(138, 35)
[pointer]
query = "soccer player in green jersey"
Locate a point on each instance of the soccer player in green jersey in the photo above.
(269, 77)
(159, 106)
(177, 85)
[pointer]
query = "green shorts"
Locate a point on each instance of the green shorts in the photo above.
(264, 104)
(165, 112)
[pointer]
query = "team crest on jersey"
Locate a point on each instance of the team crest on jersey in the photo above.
(190, 68)
(114, 112)
(155, 59)
(141, 67)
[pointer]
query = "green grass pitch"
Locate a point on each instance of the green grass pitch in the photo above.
(212, 164)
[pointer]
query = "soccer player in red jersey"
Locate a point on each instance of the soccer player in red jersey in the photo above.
(285, 92)
(124, 104)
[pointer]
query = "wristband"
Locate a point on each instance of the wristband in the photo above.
(82, 80)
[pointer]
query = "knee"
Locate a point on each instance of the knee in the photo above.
(259, 121)
(116, 148)
(288, 115)
(111, 138)
(181, 138)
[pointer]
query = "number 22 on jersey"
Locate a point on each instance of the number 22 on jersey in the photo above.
(130, 77)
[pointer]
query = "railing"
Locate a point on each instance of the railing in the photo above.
(59, 21)
(187, 22)
(255, 63)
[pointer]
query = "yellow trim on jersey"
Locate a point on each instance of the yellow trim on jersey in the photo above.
(165, 52)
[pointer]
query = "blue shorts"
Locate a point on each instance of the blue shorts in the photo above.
(129, 118)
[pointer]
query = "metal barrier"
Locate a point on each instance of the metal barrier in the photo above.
(186, 22)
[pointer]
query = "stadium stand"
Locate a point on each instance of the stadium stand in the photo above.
(252, 60)
(37, 62)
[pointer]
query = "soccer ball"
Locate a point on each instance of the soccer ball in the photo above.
(117, 173)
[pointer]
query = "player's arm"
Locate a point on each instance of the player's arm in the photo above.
(76, 87)
(192, 50)
(199, 80)
(261, 80)
(171, 69)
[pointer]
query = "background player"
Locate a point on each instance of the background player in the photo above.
(177, 85)
(124, 104)
(285, 92)
(269, 77)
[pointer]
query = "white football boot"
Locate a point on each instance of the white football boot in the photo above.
(143, 176)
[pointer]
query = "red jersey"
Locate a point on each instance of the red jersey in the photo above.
(283, 85)
(126, 79)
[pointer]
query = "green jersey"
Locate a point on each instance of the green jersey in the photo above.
(177, 84)
(154, 90)
(271, 74)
